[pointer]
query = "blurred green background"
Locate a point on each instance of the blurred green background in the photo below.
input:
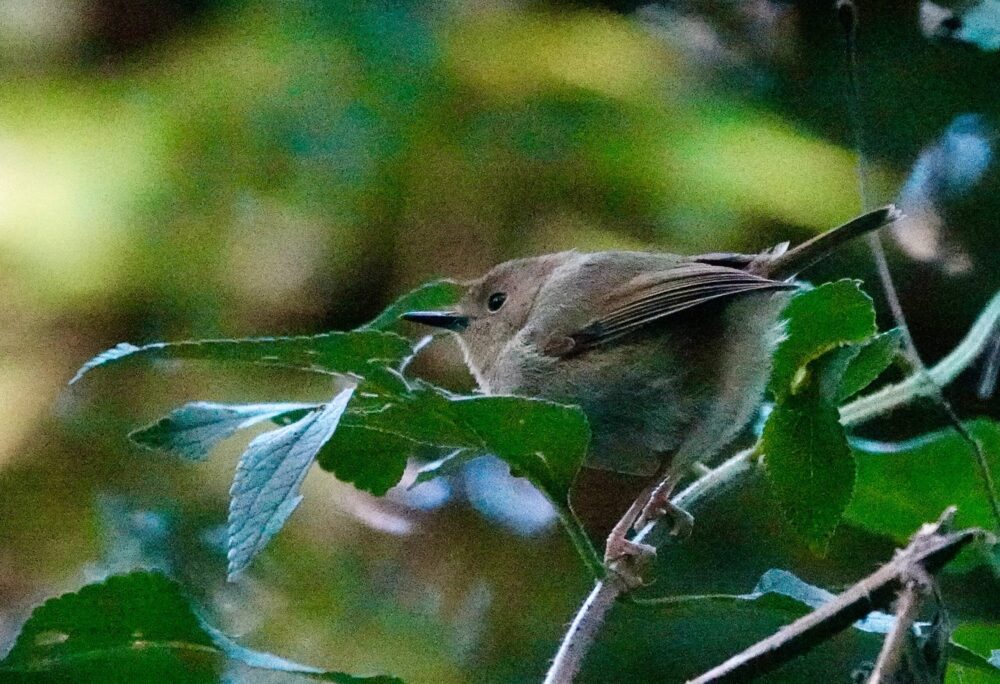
(213, 168)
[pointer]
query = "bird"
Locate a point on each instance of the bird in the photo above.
(667, 355)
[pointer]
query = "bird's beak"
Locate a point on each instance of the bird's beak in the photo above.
(449, 320)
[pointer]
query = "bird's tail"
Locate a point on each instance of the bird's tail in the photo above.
(809, 252)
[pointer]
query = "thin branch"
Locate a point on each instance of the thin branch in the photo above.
(582, 632)
(895, 644)
(927, 384)
(589, 619)
(847, 14)
(929, 550)
(576, 643)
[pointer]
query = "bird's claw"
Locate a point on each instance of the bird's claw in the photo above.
(656, 508)
(627, 561)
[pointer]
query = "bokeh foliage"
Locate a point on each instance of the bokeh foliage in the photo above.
(289, 168)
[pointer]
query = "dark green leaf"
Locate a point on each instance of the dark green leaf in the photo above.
(335, 352)
(435, 295)
(449, 464)
(975, 653)
(820, 320)
(194, 429)
(370, 459)
(869, 363)
(902, 485)
(135, 628)
(541, 440)
(266, 487)
(809, 465)
(706, 630)
(781, 597)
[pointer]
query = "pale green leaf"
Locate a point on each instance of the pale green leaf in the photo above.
(265, 490)
(335, 352)
(194, 429)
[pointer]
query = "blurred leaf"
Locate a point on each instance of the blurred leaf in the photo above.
(370, 459)
(540, 440)
(903, 485)
(335, 352)
(870, 362)
(809, 465)
(449, 464)
(780, 596)
(265, 490)
(438, 294)
(981, 25)
(194, 429)
(976, 647)
(132, 628)
(820, 320)
(978, 23)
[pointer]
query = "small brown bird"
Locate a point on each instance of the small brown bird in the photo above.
(667, 355)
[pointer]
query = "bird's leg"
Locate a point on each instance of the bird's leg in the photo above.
(659, 504)
(624, 557)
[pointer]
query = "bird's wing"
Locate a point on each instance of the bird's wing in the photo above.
(653, 296)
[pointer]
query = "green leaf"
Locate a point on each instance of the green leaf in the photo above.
(370, 459)
(975, 655)
(265, 490)
(780, 597)
(449, 464)
(707, 630)
(902, 485)
(137, 627)
(538, 439)
(869, 363)
(335, 352)
(820, 320)
(435, 295)
(809, 465)
(541, 440)
(194, 429)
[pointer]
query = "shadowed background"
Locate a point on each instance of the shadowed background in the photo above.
(226, 168)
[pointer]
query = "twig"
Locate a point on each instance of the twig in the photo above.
(577, 642)
(929, 550)
(895, 644)
(582, 631)
(585, 626)
(927, 384)
(847, 14)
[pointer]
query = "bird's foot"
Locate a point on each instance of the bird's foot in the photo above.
(627, 561)
(660, 505)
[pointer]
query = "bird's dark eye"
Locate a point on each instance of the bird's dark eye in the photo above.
(496, 300)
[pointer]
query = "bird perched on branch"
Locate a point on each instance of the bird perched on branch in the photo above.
(667, 355)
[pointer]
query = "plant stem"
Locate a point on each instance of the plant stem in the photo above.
(587, 623)
(889, 658)
(581, 632)
(577, 640)
(927, 384)
(581, 542)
